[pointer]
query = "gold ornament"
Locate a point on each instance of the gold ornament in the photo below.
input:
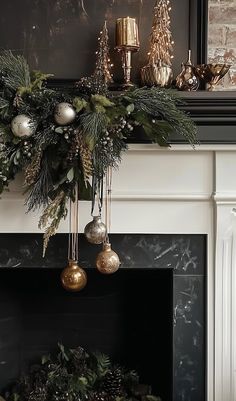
(107, 261)
(187, 80)
(95, 231)
(73, 277)
(64, 113)
(22, 126)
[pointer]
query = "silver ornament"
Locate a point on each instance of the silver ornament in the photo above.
(22, 126)
(95, 231)
(64, 113)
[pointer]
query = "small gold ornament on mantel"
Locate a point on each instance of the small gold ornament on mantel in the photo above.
(158, 71)
(73, 277)
(127, 42)
(188, 80)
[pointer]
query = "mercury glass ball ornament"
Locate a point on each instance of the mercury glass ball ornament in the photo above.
(95, 231)
(73, 277)
(64, 113)
(107, 261)
(22, 126)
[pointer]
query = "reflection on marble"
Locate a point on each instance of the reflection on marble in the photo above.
(184, 254)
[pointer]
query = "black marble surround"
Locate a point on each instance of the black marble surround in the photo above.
(185, 255)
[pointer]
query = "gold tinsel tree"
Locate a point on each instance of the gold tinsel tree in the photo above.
(102, 77)
(161, 43)
(103, 64)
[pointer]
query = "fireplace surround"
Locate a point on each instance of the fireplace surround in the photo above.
(174, 191)
(149, 316)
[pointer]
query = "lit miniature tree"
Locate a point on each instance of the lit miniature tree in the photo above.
(161, 43)
(102, 77)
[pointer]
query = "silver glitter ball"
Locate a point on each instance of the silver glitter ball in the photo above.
(22, 126)
(95, 231)
(64, 113)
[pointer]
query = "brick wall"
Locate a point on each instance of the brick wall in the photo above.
(222, 38)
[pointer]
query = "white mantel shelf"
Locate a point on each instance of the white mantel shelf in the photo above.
(174, 190)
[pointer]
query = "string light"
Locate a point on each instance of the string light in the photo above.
(161, 38)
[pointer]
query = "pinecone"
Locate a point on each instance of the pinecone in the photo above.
(38, 394)
(100, 396)
(113, 383)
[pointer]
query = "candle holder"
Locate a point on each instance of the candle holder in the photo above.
(127, 42)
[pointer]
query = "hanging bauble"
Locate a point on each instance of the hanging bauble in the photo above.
(64, 113)
(107, 261)
(73, 277)
(95, 231)
(22, 126)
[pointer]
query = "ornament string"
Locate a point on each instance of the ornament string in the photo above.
(108, 202)
(97, 195)
(73, 245)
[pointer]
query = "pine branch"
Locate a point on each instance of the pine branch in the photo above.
(162, 104)
(15, 71)
(92, 125)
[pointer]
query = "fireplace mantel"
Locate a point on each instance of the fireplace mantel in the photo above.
(176, 190)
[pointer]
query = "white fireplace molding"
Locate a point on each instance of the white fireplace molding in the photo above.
(177, 190)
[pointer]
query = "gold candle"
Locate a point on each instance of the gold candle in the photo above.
(127, 33)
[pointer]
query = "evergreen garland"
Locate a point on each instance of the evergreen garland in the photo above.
(56, 158)
(77, 375)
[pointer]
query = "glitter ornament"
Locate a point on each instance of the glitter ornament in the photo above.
(107, 261)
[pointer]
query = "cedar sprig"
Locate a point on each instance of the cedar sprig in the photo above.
(85, 157)
(51, 217)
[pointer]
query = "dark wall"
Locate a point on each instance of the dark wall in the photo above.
(60, 36)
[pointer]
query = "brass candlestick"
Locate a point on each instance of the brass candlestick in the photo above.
(127, 41)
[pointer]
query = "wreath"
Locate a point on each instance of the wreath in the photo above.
(61, 139)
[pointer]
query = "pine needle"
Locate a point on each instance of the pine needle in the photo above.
(15, 71)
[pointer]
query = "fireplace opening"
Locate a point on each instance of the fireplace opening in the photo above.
(128, 316)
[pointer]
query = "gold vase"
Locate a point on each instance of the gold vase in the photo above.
(188, 80)
(157, 75)
(211, 74)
